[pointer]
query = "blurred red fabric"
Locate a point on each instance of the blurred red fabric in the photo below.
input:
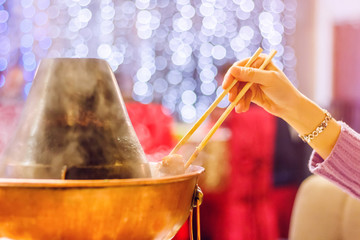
(283, 199)
(244, 210)
(153, 126)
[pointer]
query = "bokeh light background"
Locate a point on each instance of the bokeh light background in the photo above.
(171, 49)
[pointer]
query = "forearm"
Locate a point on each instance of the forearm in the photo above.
(305, 116)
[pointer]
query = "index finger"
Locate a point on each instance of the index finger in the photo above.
(228, 79)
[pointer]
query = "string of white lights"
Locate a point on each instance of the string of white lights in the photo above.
(172, 50)
(4, 41)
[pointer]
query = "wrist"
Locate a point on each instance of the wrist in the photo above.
(304, 115)
(318, 130)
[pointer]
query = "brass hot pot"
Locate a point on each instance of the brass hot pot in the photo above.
(75, 127)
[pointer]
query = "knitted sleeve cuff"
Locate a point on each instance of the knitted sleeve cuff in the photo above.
(342, 166)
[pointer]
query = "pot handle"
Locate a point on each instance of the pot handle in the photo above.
(197, 197)
(196, 202)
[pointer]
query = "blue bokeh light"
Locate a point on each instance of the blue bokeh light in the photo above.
(27, 88)
(169, 50)
(2, 81)
(3, 64)
(4, 16)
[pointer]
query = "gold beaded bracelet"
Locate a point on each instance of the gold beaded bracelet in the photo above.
(308, 137)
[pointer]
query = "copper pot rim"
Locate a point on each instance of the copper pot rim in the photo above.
(193, 171)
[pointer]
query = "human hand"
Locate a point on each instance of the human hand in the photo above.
(271, 89)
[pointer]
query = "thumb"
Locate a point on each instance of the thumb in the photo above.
(253, 75)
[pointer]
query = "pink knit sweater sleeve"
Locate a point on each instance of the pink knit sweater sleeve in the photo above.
(342, 166)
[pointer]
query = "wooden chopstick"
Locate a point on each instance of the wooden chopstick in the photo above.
(226, 113)
(212, 107)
